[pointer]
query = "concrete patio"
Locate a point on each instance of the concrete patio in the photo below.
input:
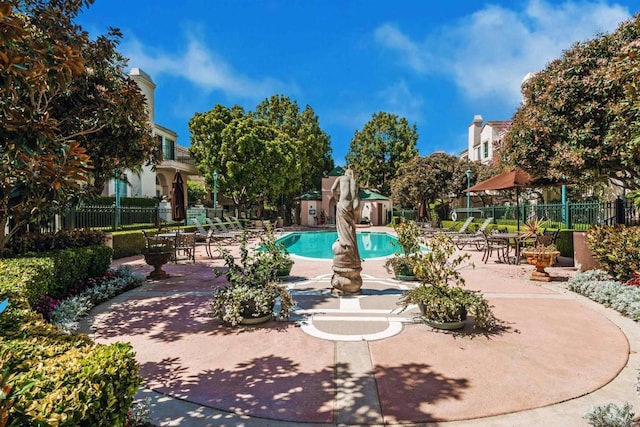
(359, 360)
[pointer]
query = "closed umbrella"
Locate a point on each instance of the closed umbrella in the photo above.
(178, 208)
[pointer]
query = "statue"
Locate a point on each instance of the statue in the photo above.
(346, 257)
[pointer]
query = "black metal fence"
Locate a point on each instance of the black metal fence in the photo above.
(571, 215)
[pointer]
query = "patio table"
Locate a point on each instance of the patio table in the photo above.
(513, 240)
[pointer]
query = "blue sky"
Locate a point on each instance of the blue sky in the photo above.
(436, 63)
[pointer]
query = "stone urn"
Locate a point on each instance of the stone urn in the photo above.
(157, 260)
(541, 260)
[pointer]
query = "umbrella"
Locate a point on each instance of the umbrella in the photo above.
(260, 206)
(178, 210)
(515, 178)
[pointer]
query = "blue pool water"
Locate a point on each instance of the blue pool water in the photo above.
(317, 244)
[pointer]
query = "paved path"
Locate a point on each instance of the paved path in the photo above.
(359, 360)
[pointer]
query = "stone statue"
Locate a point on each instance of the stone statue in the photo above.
(346, 257)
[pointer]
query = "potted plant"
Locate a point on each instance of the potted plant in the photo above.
(276, 254)
(440, 296)
(252, 289)
(402, 264)
(541, 256)
(157, 253)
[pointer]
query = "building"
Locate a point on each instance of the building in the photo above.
(483, 138)
(318, 208)
(176, 158)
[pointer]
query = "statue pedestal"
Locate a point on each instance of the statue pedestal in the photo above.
(346, 280)
(346, 269)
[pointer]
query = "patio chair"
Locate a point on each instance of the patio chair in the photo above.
(491, 244)
(547, 237)
(234, 223)
(185, 247)
(211, 238)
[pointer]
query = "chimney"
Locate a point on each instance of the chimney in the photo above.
(147, 87)
(475, 129)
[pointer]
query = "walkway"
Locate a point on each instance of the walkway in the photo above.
(360, 361)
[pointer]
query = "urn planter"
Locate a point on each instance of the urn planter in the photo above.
(541, 260)
(157, 260)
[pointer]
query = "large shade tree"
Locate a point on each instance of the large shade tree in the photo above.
(580, 117)
(427, 180)
(277, 151)
(54, 94)
(302, 126)
(384, 144)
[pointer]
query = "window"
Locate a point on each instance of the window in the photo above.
(168, 148)
(486, 149)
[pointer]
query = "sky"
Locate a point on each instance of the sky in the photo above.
(435, 63)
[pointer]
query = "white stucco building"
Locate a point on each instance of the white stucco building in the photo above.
(483, 138)
(176, 158)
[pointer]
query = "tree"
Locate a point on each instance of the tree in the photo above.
(276, 151)
(313, 144)
(427, 180)
(49, 115)
(385, 143)
(111, 102)
(196, 192)
(304, 127)
(580, 117)
(257, 159)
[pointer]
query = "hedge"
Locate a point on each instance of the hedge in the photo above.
(73, 381)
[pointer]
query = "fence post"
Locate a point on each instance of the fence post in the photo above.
(567, 217)
(619, 211)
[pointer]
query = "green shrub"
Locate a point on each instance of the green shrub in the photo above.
(71, 265)
(76, 382)
(617, 248)
(63, 239)
(27, 278)
(127, 243)
(136, 202)
(564, 243)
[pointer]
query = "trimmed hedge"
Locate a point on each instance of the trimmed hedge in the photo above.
(129, 243)
(74, 381)
(26, 279)
(71, 265)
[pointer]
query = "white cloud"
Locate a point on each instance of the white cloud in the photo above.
(400, 100)
(201, 66)
(489, 52)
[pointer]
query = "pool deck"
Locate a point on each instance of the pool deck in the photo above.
(359, 360)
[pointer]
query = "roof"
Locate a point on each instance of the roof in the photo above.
(311, 195)
(371, 195)
(337, 171)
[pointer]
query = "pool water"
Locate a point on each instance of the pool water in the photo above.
(317, 244)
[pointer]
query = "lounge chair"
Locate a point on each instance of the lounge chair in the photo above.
(222, 228)
(267, 225)
(462, 229)
(201, 234)
(476, 239)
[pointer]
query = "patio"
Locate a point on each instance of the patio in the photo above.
(359, 361)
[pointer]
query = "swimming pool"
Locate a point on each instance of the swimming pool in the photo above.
(317, 244)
